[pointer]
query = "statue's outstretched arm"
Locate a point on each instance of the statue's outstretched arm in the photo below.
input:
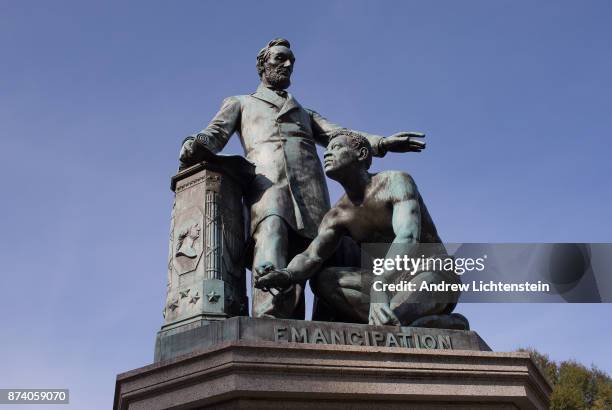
(400, 142)
(307, 263)
(322, 129)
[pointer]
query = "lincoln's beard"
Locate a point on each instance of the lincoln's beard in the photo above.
(278, 77)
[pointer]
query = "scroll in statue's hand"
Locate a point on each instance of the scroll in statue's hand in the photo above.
(381, 314)
(404, 142)
(268, 277)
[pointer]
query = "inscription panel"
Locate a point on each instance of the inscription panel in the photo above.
(182, 340)
(406, 337)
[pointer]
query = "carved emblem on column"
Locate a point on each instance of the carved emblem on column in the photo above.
(188, 240)
(213, 297)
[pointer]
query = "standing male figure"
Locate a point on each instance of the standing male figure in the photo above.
(288, 197)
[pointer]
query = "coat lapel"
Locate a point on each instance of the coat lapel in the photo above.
(269, 96)
(290, 104)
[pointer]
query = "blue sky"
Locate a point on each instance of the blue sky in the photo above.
(95, 98)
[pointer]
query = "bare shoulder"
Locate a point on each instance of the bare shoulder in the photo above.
(397, 185)
(336, 217)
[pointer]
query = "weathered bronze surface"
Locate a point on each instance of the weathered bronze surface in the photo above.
(363, 348)
(384, 207)
(288, 197)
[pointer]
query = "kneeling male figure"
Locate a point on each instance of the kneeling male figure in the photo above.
(384, 207)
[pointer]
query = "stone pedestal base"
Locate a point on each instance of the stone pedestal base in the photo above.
(244, 374)
(197, 335)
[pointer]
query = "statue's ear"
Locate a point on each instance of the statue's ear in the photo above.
(362, 154)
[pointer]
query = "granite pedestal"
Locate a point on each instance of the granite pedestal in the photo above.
(245, 363)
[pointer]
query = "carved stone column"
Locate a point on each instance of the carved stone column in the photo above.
(206, 274)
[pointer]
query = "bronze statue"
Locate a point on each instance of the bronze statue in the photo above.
(383, 207)
(288, 197)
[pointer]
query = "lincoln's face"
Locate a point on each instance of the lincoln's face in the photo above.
(278, 67)
(339, 157)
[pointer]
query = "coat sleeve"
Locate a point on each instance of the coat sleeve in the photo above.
(218, 132)
(322, 129)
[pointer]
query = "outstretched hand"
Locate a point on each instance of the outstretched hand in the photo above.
(404, 142)
(381, 314)
(268, 277)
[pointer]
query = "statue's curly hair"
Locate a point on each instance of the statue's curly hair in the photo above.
(263, 54)
(356, 140)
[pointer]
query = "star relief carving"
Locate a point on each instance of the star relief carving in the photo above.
(173, 305)
(194, 299)
(184, 293)
(213, 296)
